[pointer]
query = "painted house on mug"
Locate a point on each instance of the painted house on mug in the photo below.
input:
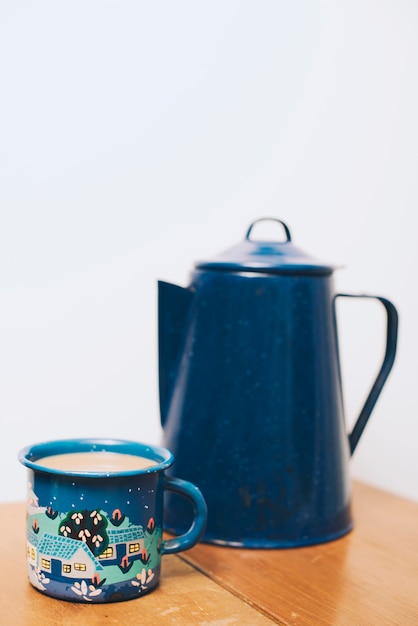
(61, 557)
(65, 558)
(125, 545)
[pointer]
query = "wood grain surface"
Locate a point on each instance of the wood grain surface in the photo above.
(369, 577)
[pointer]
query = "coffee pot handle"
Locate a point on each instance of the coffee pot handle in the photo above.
(388, 360)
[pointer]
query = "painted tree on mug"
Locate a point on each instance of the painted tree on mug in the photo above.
(86, 526)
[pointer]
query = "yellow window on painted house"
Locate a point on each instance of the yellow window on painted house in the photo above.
(107, 554)
(133, 547)
(80, 567)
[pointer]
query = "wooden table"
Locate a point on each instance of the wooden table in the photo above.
(368, 577)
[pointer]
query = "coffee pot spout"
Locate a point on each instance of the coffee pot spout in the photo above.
(174, 307)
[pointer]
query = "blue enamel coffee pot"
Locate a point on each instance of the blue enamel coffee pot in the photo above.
(251, 397)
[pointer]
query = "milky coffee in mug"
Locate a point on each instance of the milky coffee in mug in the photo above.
(96, 462)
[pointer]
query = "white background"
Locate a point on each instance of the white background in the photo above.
(137, 137)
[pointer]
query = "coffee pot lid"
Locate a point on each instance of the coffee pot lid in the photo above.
(267, 256)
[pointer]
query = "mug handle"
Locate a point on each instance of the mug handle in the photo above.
(388, 360)
(196, 530)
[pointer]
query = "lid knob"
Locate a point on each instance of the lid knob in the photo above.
(269, 219)
(267, 256)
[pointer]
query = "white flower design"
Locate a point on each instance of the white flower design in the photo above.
(143, 579)
(87, 592)
(38, 578)
(41, 576)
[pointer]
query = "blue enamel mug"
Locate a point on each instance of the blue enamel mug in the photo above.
(95, 517)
